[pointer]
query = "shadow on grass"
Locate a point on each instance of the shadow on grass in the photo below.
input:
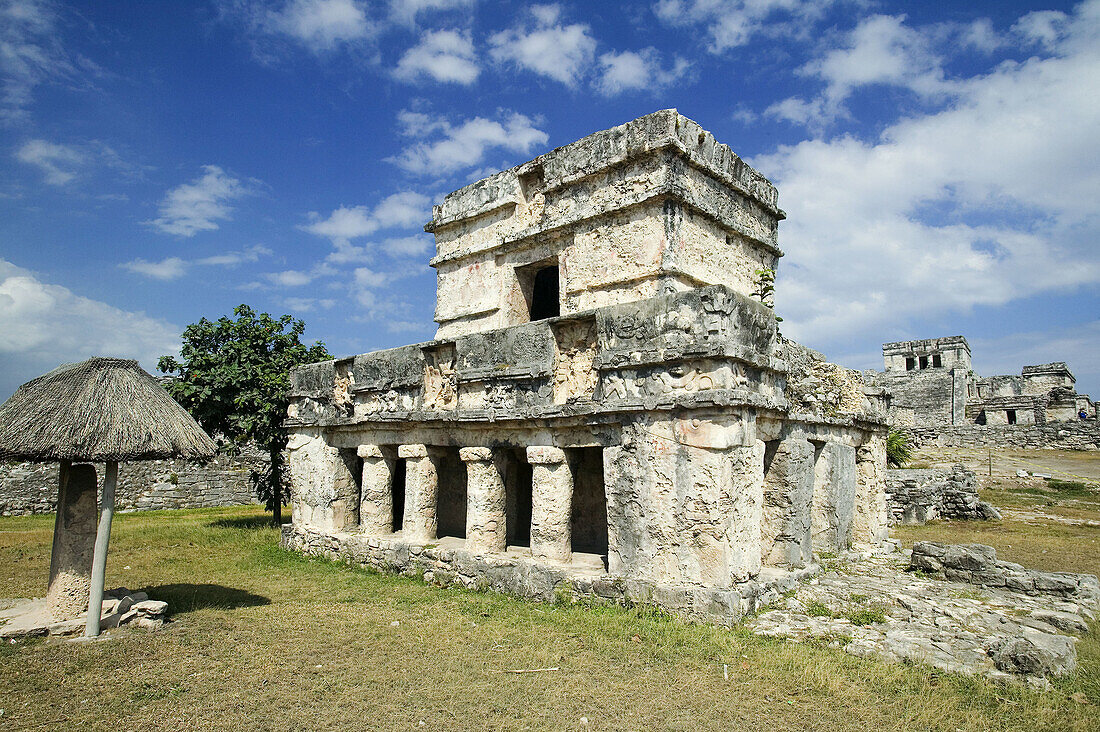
(246, 522)
(184, 598)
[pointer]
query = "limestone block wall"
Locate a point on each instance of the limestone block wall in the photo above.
(652, 206)
(1078, 435)
(685, 511)
(917, 496)
(152, 485)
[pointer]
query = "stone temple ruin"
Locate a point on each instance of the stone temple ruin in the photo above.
(932, 383)
(606, 410)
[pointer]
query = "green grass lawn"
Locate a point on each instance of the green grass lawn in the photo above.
(263, 639)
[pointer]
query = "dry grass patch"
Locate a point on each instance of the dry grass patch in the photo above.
(263, 639)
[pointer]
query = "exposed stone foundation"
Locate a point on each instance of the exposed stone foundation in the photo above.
(31, 488)
(515, 572)
(917, 496)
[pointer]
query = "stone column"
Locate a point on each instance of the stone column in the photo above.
(73, 542)
(551, 503)
(421, 489)
(834, 497)
(788, 493)
(870, 519)
(486, 518)
(376, 501)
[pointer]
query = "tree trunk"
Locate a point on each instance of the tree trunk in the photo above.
(99, 560)
(276, 487)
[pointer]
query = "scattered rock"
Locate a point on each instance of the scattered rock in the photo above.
(28, 618)
(874, 608)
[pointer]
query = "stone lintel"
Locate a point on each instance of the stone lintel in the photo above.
(545, 455)
(475, 454)
(369, 451)
(412, 451)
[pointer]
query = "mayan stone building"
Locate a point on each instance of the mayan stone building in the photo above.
(605, 409)
(931, 383)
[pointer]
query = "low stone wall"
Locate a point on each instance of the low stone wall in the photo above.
(143, 485)
(978, 564)
(917, 496)
(444, 562)
(1079, 435)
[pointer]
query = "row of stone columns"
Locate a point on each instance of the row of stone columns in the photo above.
(821, 498)
(486, 493)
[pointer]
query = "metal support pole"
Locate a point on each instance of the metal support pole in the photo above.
(99, 559)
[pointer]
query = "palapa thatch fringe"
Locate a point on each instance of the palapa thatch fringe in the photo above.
(98, 410)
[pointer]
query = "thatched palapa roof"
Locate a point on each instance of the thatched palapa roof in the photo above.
(98, 410)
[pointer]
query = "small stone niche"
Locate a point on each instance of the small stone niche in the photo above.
(440, 377)
(575, 374)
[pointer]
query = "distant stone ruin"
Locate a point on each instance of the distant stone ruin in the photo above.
(935, 395)
(606, 410)
(931, 383)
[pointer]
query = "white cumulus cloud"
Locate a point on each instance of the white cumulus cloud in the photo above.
(398, 210)
(172, 268)
(733, 23)
(464, 145)
(547, 46)
(880, 50)
(445, 56)
(46, 325)
(988, 199)
(318, 26)
(199, 205)
(637, 70)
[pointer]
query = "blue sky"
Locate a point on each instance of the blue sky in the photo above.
(165, 161)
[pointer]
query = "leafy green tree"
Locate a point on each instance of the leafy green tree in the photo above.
(234, 378)
(898, 451)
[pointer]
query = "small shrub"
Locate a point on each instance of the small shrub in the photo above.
(818, 609)
(858, 598)
(898, 450)
(866, 616)
(173, 479)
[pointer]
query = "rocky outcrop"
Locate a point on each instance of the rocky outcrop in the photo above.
(1017, 625)
(978, 564)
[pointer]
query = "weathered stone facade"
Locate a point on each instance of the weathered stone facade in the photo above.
(151, 485)
(917, 496)
(932, 383)
(1080, 435)
(605, 405)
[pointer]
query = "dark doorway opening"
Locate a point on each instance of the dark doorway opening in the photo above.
(1011, 415)
(399, 470)
(545, 301)
(937, 362)
(451, 498)
(518, 477)
(588, 520)
(910, 364)
(924, 362)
